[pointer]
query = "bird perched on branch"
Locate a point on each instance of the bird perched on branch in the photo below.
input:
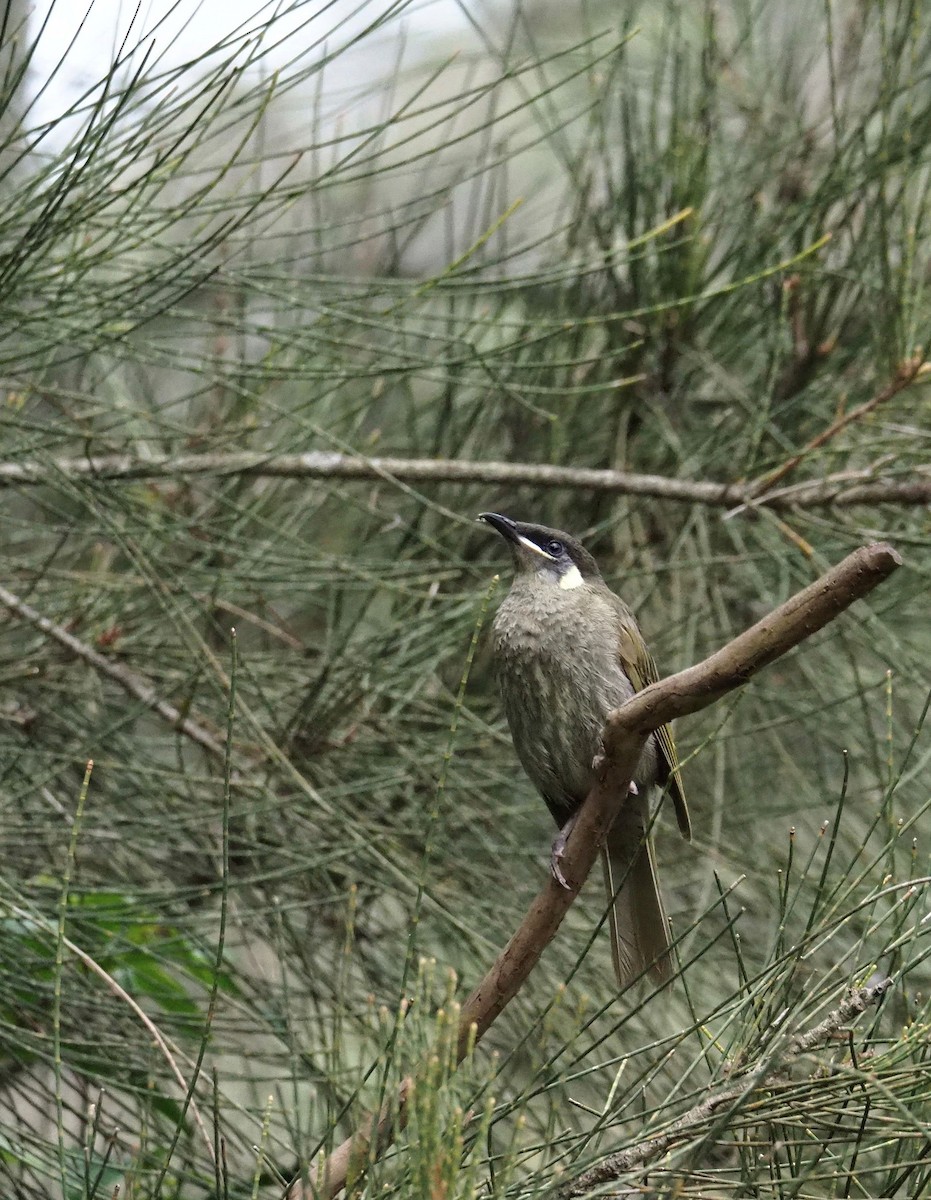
(567, 651)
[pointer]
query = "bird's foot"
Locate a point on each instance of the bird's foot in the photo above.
(558, 852)
(633, 789)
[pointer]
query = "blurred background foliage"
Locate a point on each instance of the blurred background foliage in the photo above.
(678, 239)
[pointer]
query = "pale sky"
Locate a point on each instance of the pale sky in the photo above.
(81, 37)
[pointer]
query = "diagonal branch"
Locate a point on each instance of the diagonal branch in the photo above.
(31, 918)
(624, 736)
(905, 375)
(134, 685)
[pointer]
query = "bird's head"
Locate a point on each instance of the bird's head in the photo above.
(549, 555)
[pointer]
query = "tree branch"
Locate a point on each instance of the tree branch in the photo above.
(625, 733)
(905, 375)
(134, 685)
(840, 490)
(699, 1117)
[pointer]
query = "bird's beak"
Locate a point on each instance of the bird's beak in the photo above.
(527, 554)
(503, 525)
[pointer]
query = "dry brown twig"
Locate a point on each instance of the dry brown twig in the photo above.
(624, 736)
(906, 374)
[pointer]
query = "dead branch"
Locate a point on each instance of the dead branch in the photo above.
(626, 731)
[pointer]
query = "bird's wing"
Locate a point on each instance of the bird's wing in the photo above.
(640, 668)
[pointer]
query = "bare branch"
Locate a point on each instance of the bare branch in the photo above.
(135, 685)
(840, 490)
(625, 733)
(786, 626)
(698, 1118)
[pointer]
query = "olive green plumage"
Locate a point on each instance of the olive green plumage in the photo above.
(567, 652)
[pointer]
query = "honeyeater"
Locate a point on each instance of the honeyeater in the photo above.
(567, 651)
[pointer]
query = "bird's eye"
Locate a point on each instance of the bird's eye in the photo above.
(555, 547)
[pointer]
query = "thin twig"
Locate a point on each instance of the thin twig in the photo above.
(121, 994)
(625, 733)
(834, 490)
(699, 1117)
(905, 375)
(846, 490)
(136, 685)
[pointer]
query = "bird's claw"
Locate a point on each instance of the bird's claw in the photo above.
(558, 853)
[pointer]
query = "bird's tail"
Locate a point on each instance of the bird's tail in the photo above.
(639, 931)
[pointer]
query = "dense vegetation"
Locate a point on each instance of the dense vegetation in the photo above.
(693, 245)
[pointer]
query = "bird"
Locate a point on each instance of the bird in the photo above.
(567, 651)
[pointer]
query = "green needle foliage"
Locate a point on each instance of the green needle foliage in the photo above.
(687, 240)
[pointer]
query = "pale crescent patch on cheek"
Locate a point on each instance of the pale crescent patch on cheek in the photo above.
(529, 545)
(571, 579)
